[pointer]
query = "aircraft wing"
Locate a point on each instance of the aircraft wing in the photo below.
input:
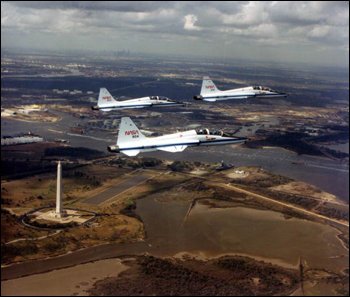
(131, 153)
(144, 104)
(173, 149)
(246, 96)
(231, 96)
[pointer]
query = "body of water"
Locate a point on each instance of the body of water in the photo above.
(212, 232)
(329, 175)
(342, 147)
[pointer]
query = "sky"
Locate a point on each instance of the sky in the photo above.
(315, 32)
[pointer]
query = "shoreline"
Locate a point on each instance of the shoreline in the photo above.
(31, 121)
(295, 153)
(205, 202)
(201, 256)
(76, 278)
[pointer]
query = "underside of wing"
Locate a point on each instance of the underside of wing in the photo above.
(131, 153)
(240, 97)
(243, 96)
(173, 149)
(141, 105)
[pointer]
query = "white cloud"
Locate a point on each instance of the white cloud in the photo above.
(190, 21)
(319, 31)
(285, 25)
(251, 13)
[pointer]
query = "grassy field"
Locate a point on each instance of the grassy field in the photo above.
(113, 224)
(117, 221)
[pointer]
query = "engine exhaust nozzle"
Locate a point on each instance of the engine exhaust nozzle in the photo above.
(113, 149)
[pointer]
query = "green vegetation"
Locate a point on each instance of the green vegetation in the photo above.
(290, 141)
(135, 163)
(331, 212)
(22, 168)
(28, 220)
(268, 181)
(76, 152)
(272, 276)
(10, 252)
(294, 199)
(296, 142)
(156, 268)
(129, 211)
(181, 166)
(335, 136)
(223, 277)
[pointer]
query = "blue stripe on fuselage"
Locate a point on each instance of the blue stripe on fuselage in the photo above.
(233, 96)
(188, 143)
(139, 105)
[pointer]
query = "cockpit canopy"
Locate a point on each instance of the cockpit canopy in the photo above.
(161, 98)
(214, 132)
(260, 88)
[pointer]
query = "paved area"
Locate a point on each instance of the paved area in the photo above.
(117, 189)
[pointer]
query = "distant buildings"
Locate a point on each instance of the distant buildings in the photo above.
(9, 112)
(21, 140)
(70, 92)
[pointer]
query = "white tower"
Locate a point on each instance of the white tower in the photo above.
(59, 213)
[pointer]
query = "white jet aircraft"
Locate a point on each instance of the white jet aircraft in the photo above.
(210, 92)
(131, 141)
(106, 102)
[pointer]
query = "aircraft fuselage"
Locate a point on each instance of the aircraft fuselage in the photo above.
(241, 93)
(176, 142)
(153, 101)
(209, 92)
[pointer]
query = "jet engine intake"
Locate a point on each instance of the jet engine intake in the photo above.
(199, 97)
(95, 108)
(113, 149)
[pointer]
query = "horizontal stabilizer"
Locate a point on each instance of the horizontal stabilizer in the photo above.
(210, 100)
(131, 153)
(173, 149)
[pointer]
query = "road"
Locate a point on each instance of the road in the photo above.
(220, 184)
(114, 250)
(346, 224)
(117, 189)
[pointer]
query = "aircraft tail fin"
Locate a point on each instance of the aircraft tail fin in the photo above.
(128, 132)
(208, 86)
(105, 98)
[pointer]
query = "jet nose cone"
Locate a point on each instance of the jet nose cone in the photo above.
(283, 94)
(241, 140)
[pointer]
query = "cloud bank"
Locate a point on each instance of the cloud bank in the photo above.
(304, 31)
